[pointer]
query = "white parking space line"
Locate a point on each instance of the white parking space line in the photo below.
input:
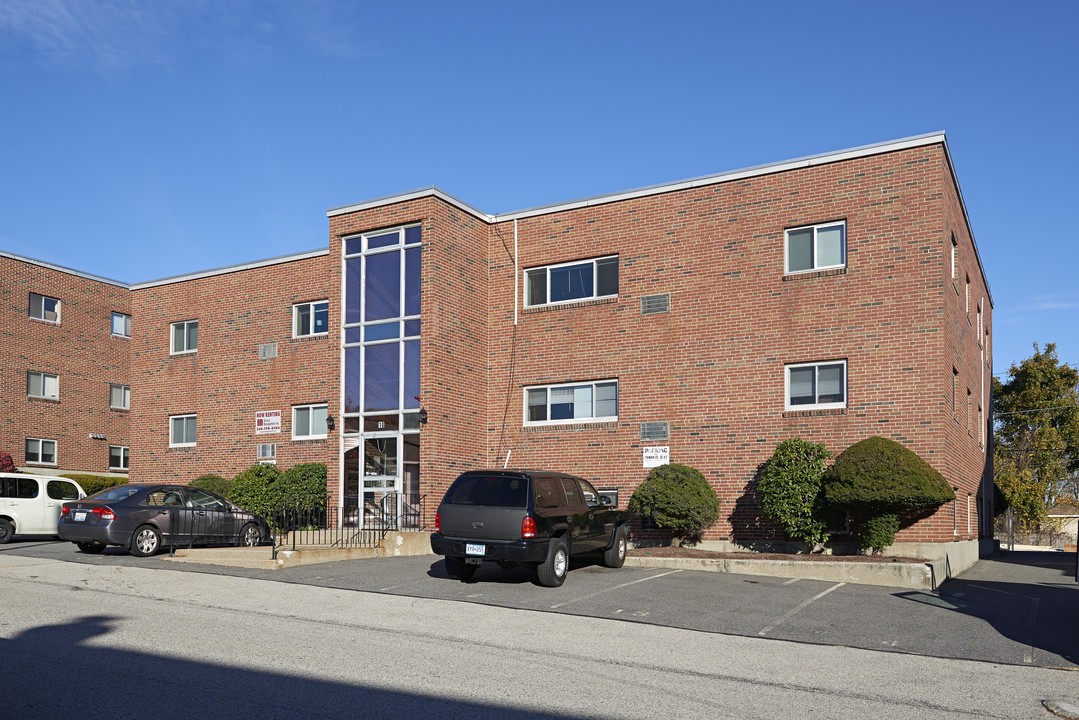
(601, 592)
(792, 581)
(816, 597)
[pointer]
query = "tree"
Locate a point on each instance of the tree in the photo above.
(789, 490)
(678, 498)
(1037, 434)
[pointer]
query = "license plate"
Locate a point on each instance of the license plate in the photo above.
(471, 549)
(80, 516)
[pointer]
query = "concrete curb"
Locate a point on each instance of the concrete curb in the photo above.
(914, 576)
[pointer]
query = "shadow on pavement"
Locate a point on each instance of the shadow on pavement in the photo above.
(95, 682)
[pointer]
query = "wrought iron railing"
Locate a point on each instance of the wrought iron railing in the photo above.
(308, 523)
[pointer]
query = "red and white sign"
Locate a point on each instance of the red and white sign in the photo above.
(267, 421)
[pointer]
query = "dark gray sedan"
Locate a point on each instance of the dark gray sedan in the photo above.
(145, 518)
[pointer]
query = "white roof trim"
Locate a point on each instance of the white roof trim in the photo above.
(231, 268)
(756, 171)
(61, 268)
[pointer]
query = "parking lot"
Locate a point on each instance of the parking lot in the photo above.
(1017, 608)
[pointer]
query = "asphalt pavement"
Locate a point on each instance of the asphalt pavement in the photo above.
(1017, 608)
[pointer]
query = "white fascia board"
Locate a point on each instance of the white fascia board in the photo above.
(231, 269)
(431, 191)
(66, 270)
(756, 171)
(966, 218)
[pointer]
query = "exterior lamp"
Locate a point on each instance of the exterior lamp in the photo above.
(423, 416)
(329, 422)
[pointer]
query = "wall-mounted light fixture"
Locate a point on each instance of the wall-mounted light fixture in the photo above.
(423, 416)
(329, 422)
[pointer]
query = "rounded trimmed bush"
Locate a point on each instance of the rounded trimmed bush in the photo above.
(213, 483)
(678, 498)
(257, 489)
(789, 490)
(877, 476)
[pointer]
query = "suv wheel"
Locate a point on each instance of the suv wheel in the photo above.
(552, 571)
(6, 531)
(615, 556)
(459, 569)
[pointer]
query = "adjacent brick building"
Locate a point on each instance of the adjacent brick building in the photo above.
(701, 322)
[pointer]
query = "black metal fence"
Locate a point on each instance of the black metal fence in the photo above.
(308, 523)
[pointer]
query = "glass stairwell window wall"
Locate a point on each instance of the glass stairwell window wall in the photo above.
(382, 376)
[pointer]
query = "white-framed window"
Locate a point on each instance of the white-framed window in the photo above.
(815, 247)
(182, 430)
(955, 258)
(185, 336)
(43, 385)
(43, 307)
(40, 451)
(309, 421)
(118, 457)
(814, 386)
(311, 318)
(594, 401)
(119, 396)
(572, 281)
(120, 325)
(266, 453)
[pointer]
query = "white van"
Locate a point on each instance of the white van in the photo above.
(31, 504)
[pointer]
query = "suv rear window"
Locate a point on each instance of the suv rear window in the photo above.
(493, 490)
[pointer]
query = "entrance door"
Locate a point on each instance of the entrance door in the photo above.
(381, 480)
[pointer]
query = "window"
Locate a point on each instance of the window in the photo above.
(572, 281)
(817, 385)
(966, 300)
(267, 453)
(182, 430)
(117, 457)
(955, 258)
(970, 414)
(817, 247)
(43, 307)
(41, 452)
(121, 325)
(955, 394)
(576, 402)
(185, 336)
(309, 422)
(311, 318)
(981, 428)
(43, 385)
(61, 490)
(119, 397)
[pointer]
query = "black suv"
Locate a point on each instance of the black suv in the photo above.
(526, 517)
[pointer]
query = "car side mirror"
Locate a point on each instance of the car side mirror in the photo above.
(605, 500)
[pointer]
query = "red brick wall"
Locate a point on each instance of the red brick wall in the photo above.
(714, 365)
(80, 350)
(225, 383)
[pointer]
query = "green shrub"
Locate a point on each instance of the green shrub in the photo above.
(879, 476)
(678, 498)
(789, 490)
(877, 480)
(878, 532)
(6, 463)
(305, 484)
(257, 489)
(95, 483)
(213, 483)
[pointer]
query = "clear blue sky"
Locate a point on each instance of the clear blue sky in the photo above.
(145, 138)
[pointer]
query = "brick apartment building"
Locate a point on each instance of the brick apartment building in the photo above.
(834, 297)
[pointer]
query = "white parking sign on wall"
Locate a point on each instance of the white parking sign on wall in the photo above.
(656, 456)
(267, 421)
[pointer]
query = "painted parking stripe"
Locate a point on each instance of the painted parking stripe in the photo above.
(816, 597)
(632, 582)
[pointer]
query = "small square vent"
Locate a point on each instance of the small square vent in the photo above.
(268, 351)
(653, 431)
(652, 304)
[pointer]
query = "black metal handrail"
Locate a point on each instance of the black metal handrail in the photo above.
(307, 522)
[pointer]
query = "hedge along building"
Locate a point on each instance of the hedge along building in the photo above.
(835, 297)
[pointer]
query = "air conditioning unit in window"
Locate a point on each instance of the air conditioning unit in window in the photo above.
(653, 431)
(268, 351)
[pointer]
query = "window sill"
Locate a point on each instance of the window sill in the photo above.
(119, 409)
(309, 338)
(43, 320)
(120, 337)
(42, 465)
(573, 304)
(182, 447)
(561, 427)
(186, 353)
(819, 412)
(811, 274)
(41, 398)
(310, 440)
